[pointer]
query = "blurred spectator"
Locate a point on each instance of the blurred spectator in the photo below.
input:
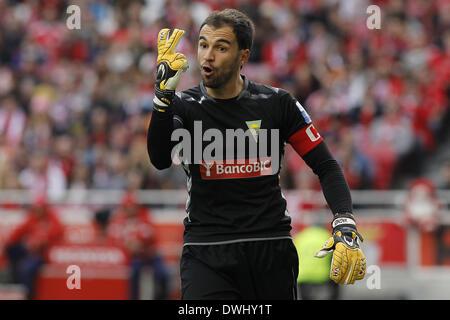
(422, 204)
(131, 227)
(101, 221)
(445, 176)
(12, 121)
(358, 168)
(44, 173)
(27, 246)
(80, 177)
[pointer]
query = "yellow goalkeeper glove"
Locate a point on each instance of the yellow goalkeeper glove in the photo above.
(348, 263)
(169, 67)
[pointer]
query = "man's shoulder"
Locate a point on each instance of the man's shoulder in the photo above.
(264, 90)
(191, 94)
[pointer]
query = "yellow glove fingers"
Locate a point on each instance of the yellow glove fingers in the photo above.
(167, 43)
(169, 65)
(162, 36)
(339, 264)
(344, 268)
(162, 41)
(352, 255)
(352, 267)
(351, 274)
(179, 62)
(356, 267)
(359, 265)
(361, 272)
(173, 40)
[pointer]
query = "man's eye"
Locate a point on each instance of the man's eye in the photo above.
(223, 49)
(202, 45)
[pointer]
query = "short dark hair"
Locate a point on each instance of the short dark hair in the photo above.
(242, 25)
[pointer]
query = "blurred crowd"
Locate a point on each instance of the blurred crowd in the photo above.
(129, 226)
(75, 104)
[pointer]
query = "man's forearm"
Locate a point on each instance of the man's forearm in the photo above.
(170, 65)
(159, 145)
(348, 263)
(332, 179)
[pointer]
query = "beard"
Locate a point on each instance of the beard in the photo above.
(221, 76)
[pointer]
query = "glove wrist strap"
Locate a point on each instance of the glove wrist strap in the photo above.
(341, 221)
(165, 96)
(345, 223)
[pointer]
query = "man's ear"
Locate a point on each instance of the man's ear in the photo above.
(245, 56)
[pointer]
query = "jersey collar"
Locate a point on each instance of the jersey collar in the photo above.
(242, 94)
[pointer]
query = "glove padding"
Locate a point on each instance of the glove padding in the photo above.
(348, 263)
(169, 67)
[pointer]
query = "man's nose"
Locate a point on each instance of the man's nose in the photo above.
(209, 54)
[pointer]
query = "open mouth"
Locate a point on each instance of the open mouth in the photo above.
(207, 71)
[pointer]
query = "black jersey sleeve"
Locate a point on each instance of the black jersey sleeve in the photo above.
(159, 144)
(293, 116)
(332, 179)
(298, 130)
(296, 126)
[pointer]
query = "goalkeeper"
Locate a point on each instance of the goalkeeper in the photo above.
(237, 241)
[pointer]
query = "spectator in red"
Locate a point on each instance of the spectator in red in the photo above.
(422, 204)
(132, 228)
(27, 246)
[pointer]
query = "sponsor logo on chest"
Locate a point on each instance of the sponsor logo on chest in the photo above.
(235, 169)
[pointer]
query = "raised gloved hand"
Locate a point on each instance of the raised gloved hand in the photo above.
(169, 67)
(348, 263)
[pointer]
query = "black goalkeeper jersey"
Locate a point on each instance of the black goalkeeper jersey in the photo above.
(231, 200)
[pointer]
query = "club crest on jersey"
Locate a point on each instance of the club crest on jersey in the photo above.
(254, 127)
